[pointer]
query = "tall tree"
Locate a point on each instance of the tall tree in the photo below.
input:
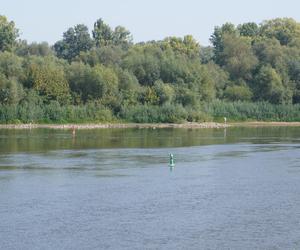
(92, 83)
(238, 57)
(47, 76)
(285, 30)
(8, 34)
(144, 63)
(11, 91)
(102, 33)
(75, 40)
(11, 65)
(248, 29)
(268, 85)
(107, 55)
(33, 49)
(217, 40)
(187, 46)
(122, 37)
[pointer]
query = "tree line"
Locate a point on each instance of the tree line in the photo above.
(103, 75)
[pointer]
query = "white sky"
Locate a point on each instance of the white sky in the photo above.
(46, 20)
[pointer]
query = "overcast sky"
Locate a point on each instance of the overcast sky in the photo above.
(46, 20)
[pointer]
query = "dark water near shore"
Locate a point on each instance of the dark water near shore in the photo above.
(112, 189)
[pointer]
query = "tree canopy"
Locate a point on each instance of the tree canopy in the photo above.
(8, 34)
(249, 62)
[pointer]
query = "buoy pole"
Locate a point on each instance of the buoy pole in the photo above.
(171, 161)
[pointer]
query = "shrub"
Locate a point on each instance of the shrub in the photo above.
(260, 111)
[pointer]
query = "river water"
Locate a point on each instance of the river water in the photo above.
(237, 188)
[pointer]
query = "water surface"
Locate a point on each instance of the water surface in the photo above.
(112, 189)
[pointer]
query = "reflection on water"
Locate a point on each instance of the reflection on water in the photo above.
(39, 140)
(113, 189)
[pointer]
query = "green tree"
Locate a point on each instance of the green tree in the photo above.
(219, 76)
(102, 33)
(33, 49)
(248, 29)
(129, 87)
(206, 54)
(149, 96)
(187, 46)
(186, 96)
(238, 93)
(92, 83)
(238, 57)
(8, 34)
(144, 63)
(11, 91)
(11, 75)
(46, 75)
(174, 68)
(75, 40)
(285, 30)
(294, 73)
(164, 92)
(269, 51)
(208, 87)
(217, 40)
(11, 65)
(268, 86)
(122, 37)
(107, 55)
(127, 81)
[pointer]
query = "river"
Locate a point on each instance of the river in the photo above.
(237, 188)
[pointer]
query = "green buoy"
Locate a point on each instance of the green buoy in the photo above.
(171, 162)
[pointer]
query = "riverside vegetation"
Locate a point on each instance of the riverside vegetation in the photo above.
(251, 72)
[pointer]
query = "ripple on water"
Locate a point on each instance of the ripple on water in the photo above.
(224, 192)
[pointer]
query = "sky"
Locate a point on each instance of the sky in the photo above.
(46, 20)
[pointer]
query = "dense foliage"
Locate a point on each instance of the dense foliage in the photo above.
(251, 72)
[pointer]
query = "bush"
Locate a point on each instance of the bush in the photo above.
(154, 114)
(54, 113)
(260, 111)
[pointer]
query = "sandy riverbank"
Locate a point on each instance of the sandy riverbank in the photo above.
(265, 124)
(115, 125)
(150, 125)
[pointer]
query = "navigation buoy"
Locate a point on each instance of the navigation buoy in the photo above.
(171, 162)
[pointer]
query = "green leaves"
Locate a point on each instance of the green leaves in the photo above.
(105, 36)
(102, 33)
(107, 75)
(238, 93)
(238, 57)
(268, 85)
(92, 82)
(8, 34)
(47, 76)
(75, 40)
(187, 46)
(285, 30)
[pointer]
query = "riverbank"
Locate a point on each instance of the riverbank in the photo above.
(116, 125)
(192, 125)
(264, 124)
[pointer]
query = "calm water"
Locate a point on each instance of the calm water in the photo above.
(113, 189)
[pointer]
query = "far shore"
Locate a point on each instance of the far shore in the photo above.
(116, 125)
(192, 125)
(264, 124)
